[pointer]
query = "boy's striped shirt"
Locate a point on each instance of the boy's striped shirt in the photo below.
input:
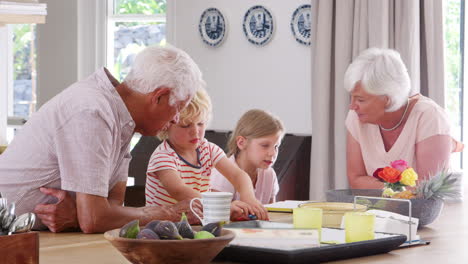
(197, 177)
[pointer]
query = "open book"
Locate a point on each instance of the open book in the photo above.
(280, 239)
(283, 206)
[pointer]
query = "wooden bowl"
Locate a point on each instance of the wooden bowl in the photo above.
(333, 212)
(170, 251)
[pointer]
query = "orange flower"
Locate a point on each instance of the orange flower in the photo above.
(390, 175)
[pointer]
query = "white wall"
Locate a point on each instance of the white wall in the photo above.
(57, 49)
(241, 76)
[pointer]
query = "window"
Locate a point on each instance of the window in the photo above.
(24, 70)
(132, 26)
(20, 74)
(453, 72)
(455, 30)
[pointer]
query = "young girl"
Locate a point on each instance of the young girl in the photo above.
(181, 166)
(253, 146)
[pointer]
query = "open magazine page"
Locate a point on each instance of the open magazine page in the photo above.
(280, 239)
(284, 206)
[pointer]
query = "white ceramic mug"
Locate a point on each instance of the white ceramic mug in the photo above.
(216, 207)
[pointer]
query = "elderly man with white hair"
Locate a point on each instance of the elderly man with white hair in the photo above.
(386, 123)
(69, 163)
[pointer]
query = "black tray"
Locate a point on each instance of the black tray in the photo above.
(324, 253)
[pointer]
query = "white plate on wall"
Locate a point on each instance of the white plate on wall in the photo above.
(258, 25)
(212, 27)
(301, 21)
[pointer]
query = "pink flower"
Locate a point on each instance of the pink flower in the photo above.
(400, 165)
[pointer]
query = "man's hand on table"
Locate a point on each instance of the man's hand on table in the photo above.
(173, 212)
(59, 216)
(184, 206)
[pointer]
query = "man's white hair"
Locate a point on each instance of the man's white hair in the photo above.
(169, 67)
(381, 72)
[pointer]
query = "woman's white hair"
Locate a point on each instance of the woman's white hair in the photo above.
(381, 72)
(169, 67)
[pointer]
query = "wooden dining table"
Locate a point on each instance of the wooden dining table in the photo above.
(448, 237)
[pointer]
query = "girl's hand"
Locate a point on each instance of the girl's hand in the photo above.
(256, 208)
(239, 211)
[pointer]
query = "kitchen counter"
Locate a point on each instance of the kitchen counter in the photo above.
(448, 236)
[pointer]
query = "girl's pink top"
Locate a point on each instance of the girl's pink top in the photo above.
(265, 189)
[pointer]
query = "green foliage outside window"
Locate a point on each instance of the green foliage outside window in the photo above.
(145, 7)
(23, 35)
(141, 7)
(123, 55)
(453, 58)
(453, 70)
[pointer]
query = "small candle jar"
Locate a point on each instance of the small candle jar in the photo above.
(359, 226)
(308, 218)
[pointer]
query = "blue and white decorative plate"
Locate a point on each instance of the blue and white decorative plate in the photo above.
(258, 25)
(212, 27)
(301, 23)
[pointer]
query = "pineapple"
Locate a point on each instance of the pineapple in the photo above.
(438, 187)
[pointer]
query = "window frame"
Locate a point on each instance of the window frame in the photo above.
(4, 83)
(458, 130)
(7, 118)
(463, 94)
(112, 18)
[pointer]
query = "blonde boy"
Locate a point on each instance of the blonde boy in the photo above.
(181, 166)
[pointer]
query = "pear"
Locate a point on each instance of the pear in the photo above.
(203, 235)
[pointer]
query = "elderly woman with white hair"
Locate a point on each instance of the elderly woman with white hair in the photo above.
(386, 123)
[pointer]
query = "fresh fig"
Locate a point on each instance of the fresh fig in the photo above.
(130, 230)
(214, 228)
(184, 228)
(152, 225)
(147, 234)
(167, 230)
